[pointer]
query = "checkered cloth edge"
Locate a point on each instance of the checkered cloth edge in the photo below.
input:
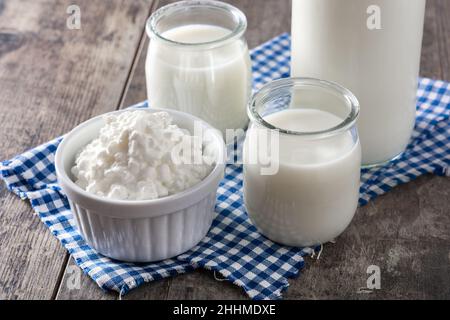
(233, 248)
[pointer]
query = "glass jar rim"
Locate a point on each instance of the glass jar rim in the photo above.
(284, 83)
(236, 33)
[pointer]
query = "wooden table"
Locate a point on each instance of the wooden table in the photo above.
(52, 78)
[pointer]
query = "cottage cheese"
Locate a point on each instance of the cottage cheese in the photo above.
(133, 158)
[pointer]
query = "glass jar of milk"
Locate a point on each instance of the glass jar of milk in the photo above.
(302, 161)
(372, 47)
(198, 62)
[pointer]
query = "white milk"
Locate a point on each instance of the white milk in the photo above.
(314, 195)
(332, 40)
(213, 84)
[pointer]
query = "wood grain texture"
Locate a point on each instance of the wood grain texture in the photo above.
(51, 79)
(30, 258)
(435, 62)
(406, 232)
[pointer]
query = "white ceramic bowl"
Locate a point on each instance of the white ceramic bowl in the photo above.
(140, 231)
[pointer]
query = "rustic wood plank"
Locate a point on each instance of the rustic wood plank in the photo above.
(442, 9)
(30, 258)
(201, 285)
(405, 232)
(430, 64)
(52, 78)
(137, 89)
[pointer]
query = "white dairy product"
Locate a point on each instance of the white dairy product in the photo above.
(339, 40)
(211, 83)
(133, 158)
(313, 196)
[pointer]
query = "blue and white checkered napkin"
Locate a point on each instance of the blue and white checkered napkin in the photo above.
(233, 247)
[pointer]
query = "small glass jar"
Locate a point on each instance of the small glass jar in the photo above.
(198, 62)
(302, 161)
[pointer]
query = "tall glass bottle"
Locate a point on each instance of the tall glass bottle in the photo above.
(373, 48)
